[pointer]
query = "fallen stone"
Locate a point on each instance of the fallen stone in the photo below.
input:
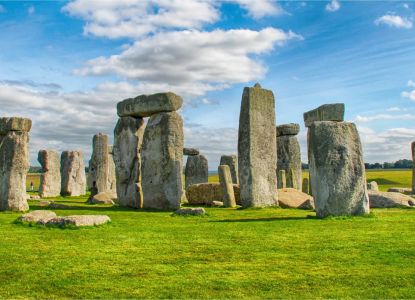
(50, 179)
(54, 205)
(14, 124)
(400, 190)
(288, 129)
(206, 193)
(34, 197)
(190, 211)
(103, 198)
(190, 151)
(73, 173)
(79, 220)
(389, 200)
(37, 216)
(225, 181)
(217, 204)
(293, 198)
(373, 186)
(326, 112)
(196, 170)
(148, 105)
(257, 153)
(232, 162)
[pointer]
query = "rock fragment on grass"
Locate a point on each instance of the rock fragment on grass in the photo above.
(38, 216)
(79, 220)
(389, 200)
(190, 211)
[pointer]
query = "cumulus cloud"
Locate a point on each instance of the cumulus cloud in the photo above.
(333, 6)
(360, 118)
(394, 21)
(260, 8)
(395, 108)
(411, 83)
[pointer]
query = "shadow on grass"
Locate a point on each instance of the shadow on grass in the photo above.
(97, 208)
(272, 219)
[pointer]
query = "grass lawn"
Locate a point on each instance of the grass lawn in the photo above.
(252, 253)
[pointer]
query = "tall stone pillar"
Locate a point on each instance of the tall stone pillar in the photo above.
(99, 163)
(14, 163)
(232, 162)
(196, 170)
(112, 181)
(50, 179)
(73, 178)
(257, 153)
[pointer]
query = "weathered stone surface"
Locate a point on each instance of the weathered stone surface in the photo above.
(148, 105)
(196, 170)
(34, 197)
(38, 215)
(337, 172)
(400, 190)
(206, 193)
(389, 199)
(217, 204)
(54, 205)
(50, 179)
(190, 211)
(326, 112)
(288, 129)
(293, 198)
(128, 139)
(225, 181)
(190, 151)
(306, 186)
(232, 162)
(79, 220)
(257, 153)
(112, 179)
(14, 163)
(103, 198)
(289, 159)
(162, 156)
(99, 163)
(73, 173)
(413, 167)
(14, 124)
(281, 179)
(373, 186)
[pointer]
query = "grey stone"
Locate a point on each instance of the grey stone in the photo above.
(326, 112)
(288, 129)
(225, 180)
(99, 163)
(281, 179)
(79, 220)
(54, 205)
(337, 172)
(34, 197)
(217, 204)
(206, 193)
(14, 163)
(128, 139)
(289, 159)
(190, 211)
(306, 186)
(148, 105)
(400, 190)
(112, 179)
(389, 199)
(257, 153)
(373, 186)
(413, 167)
(293, 198)
(103, 198)
(232, 162)
(38, 216)
(190, 151)
(162, 156)
(73, 177)
(50, 179)
(196, 170)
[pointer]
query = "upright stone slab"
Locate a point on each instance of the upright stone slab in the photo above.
(14, 163)
(225, 180)
(337, 170)
(128, 139)
(232, 162)
(196, 170)
(148, 105)
(73, 178)
(162, 161)
(306, 186)
(112, 181)
(281, 179)
(99, 163)
(50, 179)
(257, 153)
(413, 166)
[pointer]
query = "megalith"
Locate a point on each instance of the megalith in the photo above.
(257, 153)
(289, 154)
(281, 179)
(306, 186)
(190, 151)
(162, 161)
(337, 172)
(73, 178)
(112, 181)
(225, 180)
(128, 138)
(232, 162)
(50, 179)
(14, 163)
(99, 163)
(196, 170)
(413, 166)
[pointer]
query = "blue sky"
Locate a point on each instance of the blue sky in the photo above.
(65, 64)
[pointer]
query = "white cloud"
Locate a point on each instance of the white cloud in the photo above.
(260, 8)
(362, 119)
(411, 83)
(395, 108)
(333, 6)
(394, 21)
(410, 95)
(405, 5)
(192, 62)
(31, 10)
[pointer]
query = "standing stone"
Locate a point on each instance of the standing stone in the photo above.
(112, 181)
(128, 139)
(14, 163)
(413, 167)
(196, 170)
(99, 163)
(162, 160)
(225, 180)
(281, 179)
(337, 169)
(232, 162)
(306, 185)
(50, 179)
(73, 181)
(257, 153)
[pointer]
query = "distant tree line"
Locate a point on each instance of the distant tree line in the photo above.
(399, 164)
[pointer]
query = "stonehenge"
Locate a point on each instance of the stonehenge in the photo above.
(50, 179)
(190, 151)
(289, 154)
(225, 180)
(112, 181)
(306, 186)
(232, 162)
(196, 170)
(413, 167)
(337, 172)
(257, 153)
(281, 179)
(14, 163)
(73, 178)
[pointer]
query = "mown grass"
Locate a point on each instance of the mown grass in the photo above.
(252, 253)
